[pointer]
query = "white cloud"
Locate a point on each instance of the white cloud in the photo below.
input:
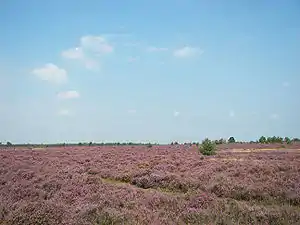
(156, 49)
(187, 51)
(96, 44)
(274, 116)
(51, 73)
(68, 95)
(176, 113)
(64, 112)
(89, 51)
(73, 53)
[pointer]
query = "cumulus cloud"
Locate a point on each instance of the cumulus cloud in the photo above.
(156, 49)
(89, 51)
(186, 52)
(96, 44)
(68, 95)
(51, 73)
(176, 113)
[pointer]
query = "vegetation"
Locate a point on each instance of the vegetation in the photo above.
(274, 139)
(220, 141)
(287, 140)
(207, 147)
(121, 186)
(231, 140)
(262, 140)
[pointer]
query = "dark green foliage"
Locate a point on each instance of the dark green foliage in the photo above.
(220, 141)
(231, 140)
(149, 145)
(274, 139)
(262, 139)
(9, 143)
(207, 147)
(287, 140)
(91, 143)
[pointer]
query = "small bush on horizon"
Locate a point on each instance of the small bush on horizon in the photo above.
(231, 140)
(262, 140)
(207, 147)
(220, 141)
(287, 140)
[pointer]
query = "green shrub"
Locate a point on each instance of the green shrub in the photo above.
(207, 147)
(262, 139)
(287, 140)
(231, 140)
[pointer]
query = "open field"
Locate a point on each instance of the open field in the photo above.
(242, 184)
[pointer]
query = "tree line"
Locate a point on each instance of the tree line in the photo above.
(262, 140)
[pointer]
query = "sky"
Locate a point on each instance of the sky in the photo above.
(139, 70)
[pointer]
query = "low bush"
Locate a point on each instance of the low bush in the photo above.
(208, 147)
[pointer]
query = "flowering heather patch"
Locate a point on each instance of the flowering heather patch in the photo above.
(242, 184)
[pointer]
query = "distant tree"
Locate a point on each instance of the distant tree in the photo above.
(262, 139)
(175, 143)
(79, 143)
(149, 145)
(287, 140)
(231, 140)
(279, 140)
(296, 140)
(220, 141)
(207, 147)
(91, 143)
(9, 143)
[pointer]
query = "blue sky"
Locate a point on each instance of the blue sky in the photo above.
(142, 70)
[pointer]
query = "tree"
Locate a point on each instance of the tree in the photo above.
(262, 139)
(9, 143)
(287, 140)
(231, 140)
(208, 147)
(90, 144)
